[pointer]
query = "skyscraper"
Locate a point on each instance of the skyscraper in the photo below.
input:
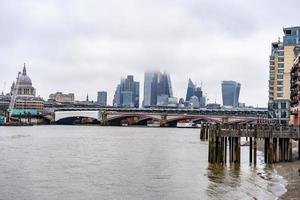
(190, 90)
(193, 90)
(127, 93)
(102, 98)
(150, 88)
(230, 93)
(157, 89)
(281, 62)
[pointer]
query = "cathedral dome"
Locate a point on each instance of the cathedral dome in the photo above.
(24, 79)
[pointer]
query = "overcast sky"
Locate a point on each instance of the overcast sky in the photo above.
(83, 46)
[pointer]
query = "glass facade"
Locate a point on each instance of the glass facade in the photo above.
(230, 93)
(102, 98)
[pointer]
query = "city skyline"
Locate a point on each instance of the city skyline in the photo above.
(192, 39)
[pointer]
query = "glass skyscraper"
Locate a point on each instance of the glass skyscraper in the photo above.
(230, 93)
(157, 89)
(127, 93)
(102, 98)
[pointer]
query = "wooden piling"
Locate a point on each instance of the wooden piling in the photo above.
(250, 150)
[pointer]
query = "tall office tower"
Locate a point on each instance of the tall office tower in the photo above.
(281, 61)
(193, 90)
(164, 89)
(201, 97)
(157, 89)
(117, 96)
(230, 93)
(150, 88)
(127, 93)
(190, 90)
(102, 98)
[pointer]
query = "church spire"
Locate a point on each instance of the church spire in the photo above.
(24, 70)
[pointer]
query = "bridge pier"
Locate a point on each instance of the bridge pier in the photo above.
(103, 121)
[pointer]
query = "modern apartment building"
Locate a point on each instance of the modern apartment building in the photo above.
(281, 62)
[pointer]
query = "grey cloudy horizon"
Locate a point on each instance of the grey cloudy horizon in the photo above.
(87, 46)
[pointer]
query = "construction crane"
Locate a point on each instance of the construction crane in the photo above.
(14, 96)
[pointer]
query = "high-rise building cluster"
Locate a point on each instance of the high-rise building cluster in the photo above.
(194, 96)
(158, 89)
(127, 93)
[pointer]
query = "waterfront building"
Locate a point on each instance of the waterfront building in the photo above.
(127, 93)
(230, 93)
(26, 93)
(62, 98)
(102, 98)
(281, 62)
(295, 89)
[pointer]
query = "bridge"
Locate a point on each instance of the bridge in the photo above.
(166, 117)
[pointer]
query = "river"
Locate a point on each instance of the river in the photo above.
(93, 162)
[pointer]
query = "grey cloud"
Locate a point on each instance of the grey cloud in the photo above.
(85, 46)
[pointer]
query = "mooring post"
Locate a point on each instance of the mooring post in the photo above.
(299, 149)
(271, 150)
(290, 149)
(225, 150)
(250, 150)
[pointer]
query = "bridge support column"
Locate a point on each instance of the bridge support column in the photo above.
(103, 121)
(163, 120)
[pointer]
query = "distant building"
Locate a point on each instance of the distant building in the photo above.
(127, 93)
(102, 98)
(194, 101)
(150, 88)
(26, 93)
(157, 89)
(281, 62)
(230, 93)
(62, 98)
(192, 90)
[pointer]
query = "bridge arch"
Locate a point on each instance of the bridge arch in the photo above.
(60, 115)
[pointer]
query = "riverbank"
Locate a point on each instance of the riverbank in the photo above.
(289, 171)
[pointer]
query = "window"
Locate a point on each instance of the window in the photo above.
(280, 59)
(279, 76)
(280, 65)
(283, 114)
(280, 70)
(275, 105)
(279, 88)
(279, 95)
(283, 105)
(281, 53)
(279, 83)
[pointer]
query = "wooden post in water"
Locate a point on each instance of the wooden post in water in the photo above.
(299, 149)
(250, 150)
(290, 149)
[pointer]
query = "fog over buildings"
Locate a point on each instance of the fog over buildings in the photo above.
(86, 46)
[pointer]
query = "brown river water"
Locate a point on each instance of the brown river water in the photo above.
(93, 162)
